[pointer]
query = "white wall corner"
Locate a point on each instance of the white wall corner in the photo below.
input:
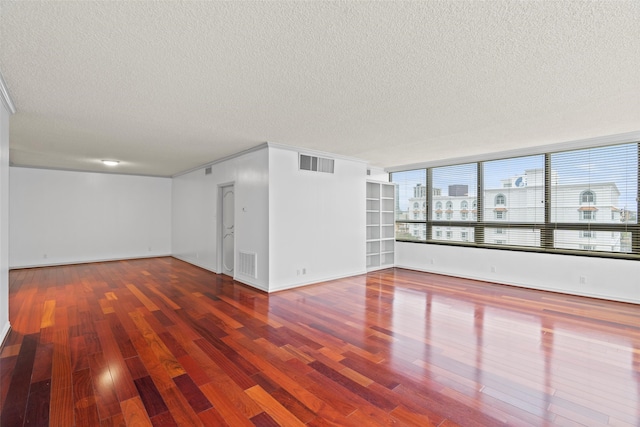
(4, 333)
(6, 96)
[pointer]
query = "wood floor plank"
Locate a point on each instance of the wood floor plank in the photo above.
(134, 413)
(272, 407)
(160, 342)
(38, 407)
(19, 386)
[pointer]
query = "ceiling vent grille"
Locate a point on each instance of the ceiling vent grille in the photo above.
(316, 164)
(207, 171)
(247, 264)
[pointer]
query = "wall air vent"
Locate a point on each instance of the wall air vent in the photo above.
(316, 164)
(207, 171)
(247, 265)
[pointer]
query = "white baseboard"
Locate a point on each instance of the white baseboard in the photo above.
(56, 264)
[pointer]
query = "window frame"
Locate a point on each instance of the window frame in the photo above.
(585, 194)
(546, 228)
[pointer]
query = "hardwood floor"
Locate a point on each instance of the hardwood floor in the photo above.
(160, 342)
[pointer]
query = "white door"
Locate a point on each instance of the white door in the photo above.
(228, 239)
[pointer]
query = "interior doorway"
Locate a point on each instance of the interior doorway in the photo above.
(227, 220)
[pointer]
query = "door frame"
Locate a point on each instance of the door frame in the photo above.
(220, 226)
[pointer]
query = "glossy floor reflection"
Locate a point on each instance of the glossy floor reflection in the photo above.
(160, 342)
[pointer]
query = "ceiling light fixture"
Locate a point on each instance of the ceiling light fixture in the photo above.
(111, 162)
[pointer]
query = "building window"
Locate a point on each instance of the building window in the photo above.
(439, 234)
(501, 200)
(587, 215)
(464, 215)
(588, 247)
(464, 205)
(449, 215)
(449, 206)
(500, 214)
(465, 236)
(499, 230)
(587, 197)
(501, 242)
(448, 235)
(439, 206)
(415, 215)
(589, 234)
(416, 205)
(438, 215)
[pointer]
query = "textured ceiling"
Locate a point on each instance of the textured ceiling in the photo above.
(167, 86)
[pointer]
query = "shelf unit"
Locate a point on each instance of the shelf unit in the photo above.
(380, 225)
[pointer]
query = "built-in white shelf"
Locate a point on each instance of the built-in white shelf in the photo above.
(380, 225)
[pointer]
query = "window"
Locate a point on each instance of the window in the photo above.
(587, 197)
(606, 175)
(520, 181)
(453, 184)
(410, 193)
(587, 215)
(545, 201)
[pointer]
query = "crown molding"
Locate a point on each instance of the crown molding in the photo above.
(223, 159)
(6, 97)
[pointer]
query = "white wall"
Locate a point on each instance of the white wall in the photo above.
(595, 277)
(316, 221)
(195, 213)
(4, 222)
(60, 217)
